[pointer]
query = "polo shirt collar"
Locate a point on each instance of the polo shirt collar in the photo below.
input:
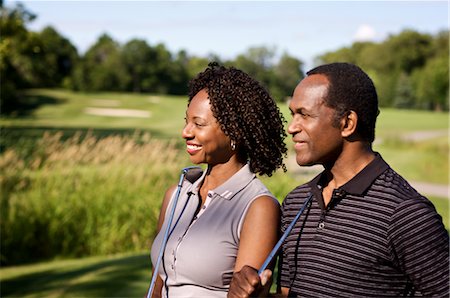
(232, 186)
(361, 181)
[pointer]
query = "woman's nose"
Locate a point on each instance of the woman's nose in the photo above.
(186, 133)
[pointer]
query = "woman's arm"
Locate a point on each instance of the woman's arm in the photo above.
(258, 237)
(259, 232)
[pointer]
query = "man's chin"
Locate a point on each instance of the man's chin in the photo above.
(303, 163)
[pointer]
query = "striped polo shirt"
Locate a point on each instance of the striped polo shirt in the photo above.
(378, 237)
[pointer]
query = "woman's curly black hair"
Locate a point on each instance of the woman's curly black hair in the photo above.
(246, 113)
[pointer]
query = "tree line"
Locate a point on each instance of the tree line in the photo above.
(410, 70)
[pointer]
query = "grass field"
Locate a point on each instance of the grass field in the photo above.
(124, 275)
(117, 169)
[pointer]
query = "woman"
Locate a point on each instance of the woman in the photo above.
(226, 218)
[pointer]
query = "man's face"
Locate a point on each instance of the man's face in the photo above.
(316, 140)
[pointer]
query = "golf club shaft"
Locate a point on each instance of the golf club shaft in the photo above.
(166, 233)
(274, 251)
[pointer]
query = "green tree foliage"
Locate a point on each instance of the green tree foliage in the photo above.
(101, 68)
(59, 57)
(30, 59)
(257, 62)
(280, 77)
(432, 84)
(179, 73)
(410, 69)
(14, 62)
(408, 50)
(288, 74)
(404, 95)
(137, 56)
(195, 65)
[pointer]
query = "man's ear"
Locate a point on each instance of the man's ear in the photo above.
(348, 124)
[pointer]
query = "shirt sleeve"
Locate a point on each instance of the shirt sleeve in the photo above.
(419, 244)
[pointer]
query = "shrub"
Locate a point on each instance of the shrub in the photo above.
(84, 195)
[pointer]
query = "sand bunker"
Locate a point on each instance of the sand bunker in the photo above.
(117, 112)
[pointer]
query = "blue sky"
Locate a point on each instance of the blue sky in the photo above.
(304, 29)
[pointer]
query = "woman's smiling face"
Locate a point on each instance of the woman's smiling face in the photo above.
(205, 140)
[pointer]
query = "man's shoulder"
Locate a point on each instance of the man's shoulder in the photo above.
(393, 183)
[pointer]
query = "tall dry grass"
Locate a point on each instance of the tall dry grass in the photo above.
(84, 195)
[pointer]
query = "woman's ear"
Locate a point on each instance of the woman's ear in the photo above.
(348, 124)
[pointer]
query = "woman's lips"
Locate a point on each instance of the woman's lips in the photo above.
(192, 148)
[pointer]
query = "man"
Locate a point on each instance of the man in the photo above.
(367, 232)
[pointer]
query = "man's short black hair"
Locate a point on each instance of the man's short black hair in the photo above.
(351, 89)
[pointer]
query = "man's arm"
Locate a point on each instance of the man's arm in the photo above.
(420, 242)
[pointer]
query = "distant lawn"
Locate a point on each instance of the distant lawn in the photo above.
(64, 109)
(393, 121)
(426, 161)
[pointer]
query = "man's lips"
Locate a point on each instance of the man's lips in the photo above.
(299, 144)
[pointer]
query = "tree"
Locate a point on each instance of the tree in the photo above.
(404, 95)
(432, 84)
(59, 58)
(408, 50)
(258, 63)
(14, 62)
(195, 65)
(288, 74)
(137, 56)
(179, 74)
(102, 68)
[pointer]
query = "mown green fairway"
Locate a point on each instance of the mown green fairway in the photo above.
(60, 109)
(66, 109)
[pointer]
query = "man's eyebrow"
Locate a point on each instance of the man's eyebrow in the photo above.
(298, 110)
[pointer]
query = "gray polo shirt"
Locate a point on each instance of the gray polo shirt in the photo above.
(201, 252)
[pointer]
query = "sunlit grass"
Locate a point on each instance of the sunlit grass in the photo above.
(84, 196)
(67, 110)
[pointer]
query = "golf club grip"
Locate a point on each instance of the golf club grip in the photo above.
(277, 247)
(193, 174)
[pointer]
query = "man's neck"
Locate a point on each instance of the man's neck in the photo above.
(350, 162)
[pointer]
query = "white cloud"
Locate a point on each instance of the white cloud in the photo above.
(364, 33)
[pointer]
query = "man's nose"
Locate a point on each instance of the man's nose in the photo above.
(294, 126)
